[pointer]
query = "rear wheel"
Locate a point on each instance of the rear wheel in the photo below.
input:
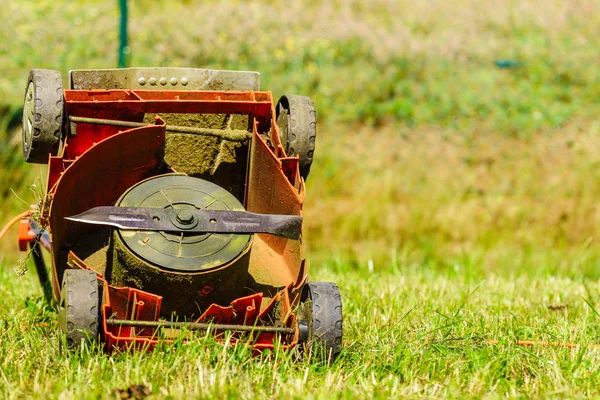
(79, 310)
(297, 122)
(320, 318)
(42, 115)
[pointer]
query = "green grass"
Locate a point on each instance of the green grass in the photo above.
(452, 201)
(409, 331)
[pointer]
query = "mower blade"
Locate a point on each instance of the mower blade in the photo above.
(192, 220)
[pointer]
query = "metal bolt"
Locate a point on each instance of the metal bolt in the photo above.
(142, 81)
(173, 81)
(184, 81)
(163, 81)
(152, 81)
(185, 217)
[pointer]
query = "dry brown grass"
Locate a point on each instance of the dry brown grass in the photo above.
(375, 190)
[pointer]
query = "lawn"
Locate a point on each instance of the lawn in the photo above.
(453, 201)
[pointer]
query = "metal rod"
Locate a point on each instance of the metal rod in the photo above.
(42, 236)
(123, 47)
(198, 326)
(233, 135)
(40, 266)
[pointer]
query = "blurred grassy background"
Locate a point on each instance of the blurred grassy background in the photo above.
(435, 170)
(425, 144)
(422, 63)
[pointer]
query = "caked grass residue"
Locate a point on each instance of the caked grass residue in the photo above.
(198, 155)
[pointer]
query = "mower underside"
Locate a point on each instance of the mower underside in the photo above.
(190, 154)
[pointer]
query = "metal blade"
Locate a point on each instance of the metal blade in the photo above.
(192, 220)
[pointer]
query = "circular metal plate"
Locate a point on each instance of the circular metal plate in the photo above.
(182, 252)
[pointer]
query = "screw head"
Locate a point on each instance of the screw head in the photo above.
(185, 217)
(163, 81)
(142, 81)
(184, 81)
(152, 81)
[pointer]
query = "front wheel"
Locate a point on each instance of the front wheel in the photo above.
(79, 310)
(320, 318)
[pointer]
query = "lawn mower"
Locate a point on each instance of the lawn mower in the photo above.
(173, 203)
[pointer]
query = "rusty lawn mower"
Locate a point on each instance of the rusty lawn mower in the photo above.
(174, 203)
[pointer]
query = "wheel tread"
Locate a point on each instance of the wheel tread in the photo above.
(47, 117)
(302, 134)
(81, 302)
(327, 318)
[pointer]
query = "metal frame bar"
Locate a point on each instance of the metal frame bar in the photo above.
(199, 326)
(233, 135)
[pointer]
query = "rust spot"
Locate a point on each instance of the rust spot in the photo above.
(205, 291)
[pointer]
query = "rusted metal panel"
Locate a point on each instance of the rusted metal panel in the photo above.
(257, 104)
(108, 169)
(274, 261)
(153, 78)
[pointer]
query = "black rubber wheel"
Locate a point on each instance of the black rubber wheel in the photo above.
(297, 121)
(79, 310)
(42, 115)
(320, 318)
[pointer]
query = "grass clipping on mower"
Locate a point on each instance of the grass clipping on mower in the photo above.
(198, 155)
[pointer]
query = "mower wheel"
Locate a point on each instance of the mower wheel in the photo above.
(297, 121)
(42, 115)
(79, 310)
(320, 318)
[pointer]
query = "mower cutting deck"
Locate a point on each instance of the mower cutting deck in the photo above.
(174, 202)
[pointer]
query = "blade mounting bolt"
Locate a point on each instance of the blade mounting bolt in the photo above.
(185, 217)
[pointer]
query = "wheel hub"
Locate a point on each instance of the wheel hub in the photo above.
(28, 116)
